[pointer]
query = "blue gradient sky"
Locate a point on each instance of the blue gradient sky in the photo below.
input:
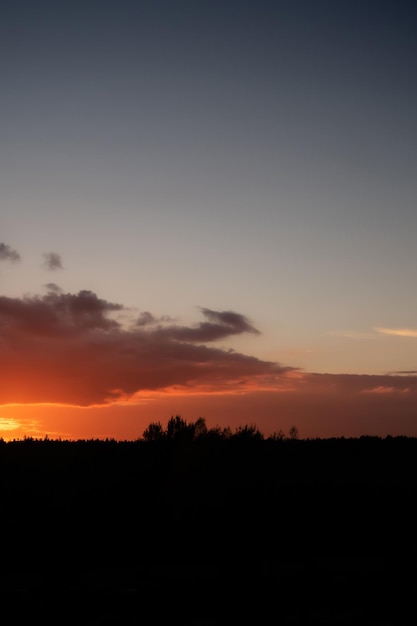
(256, 157)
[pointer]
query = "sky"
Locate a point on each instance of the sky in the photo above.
(208, 208)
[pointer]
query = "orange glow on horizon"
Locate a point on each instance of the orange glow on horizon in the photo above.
(319, 404)
(38, 419)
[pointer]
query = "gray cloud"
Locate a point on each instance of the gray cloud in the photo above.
(52, 261)
(221, 324)
(53, 287)
(341, 384)
(8, 254)
(56, 314)
(145, 318)
(68, 348)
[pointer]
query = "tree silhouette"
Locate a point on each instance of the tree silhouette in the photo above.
(154, 432)
(200, 428)
(179, 429)
(293, 432)
(248, 432)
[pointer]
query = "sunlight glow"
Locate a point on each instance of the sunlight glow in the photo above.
(398, 332)
(7, 423)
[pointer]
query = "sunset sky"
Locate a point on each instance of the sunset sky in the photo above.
(208, 208)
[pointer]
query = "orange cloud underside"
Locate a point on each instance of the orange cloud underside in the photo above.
(70, 370)
(320, 406)
(127, 417)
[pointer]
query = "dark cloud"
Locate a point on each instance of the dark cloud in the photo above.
(340, 384)
(8, 254)
(52, 261)
(69, 348)
(56, 314)
(221, 324)
(145, 318)
(72, 349)
(53, 287)
(239, 323)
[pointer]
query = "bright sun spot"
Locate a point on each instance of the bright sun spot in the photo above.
(8, 423)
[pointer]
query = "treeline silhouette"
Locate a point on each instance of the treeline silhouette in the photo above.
(199, 516)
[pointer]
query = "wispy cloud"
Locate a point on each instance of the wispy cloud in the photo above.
(52, 261)
(398, 332)
(351, 334)
(8, 254)
(385, 390)
(353, 384)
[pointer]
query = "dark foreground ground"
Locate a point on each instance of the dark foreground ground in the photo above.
(209, 532)
(330, 592)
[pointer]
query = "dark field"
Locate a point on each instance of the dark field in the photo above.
(209, 529)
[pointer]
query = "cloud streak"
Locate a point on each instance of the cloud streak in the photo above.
(8, 254)
(353, 384)
(351, 334)
(398, 332)
(71, 348)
